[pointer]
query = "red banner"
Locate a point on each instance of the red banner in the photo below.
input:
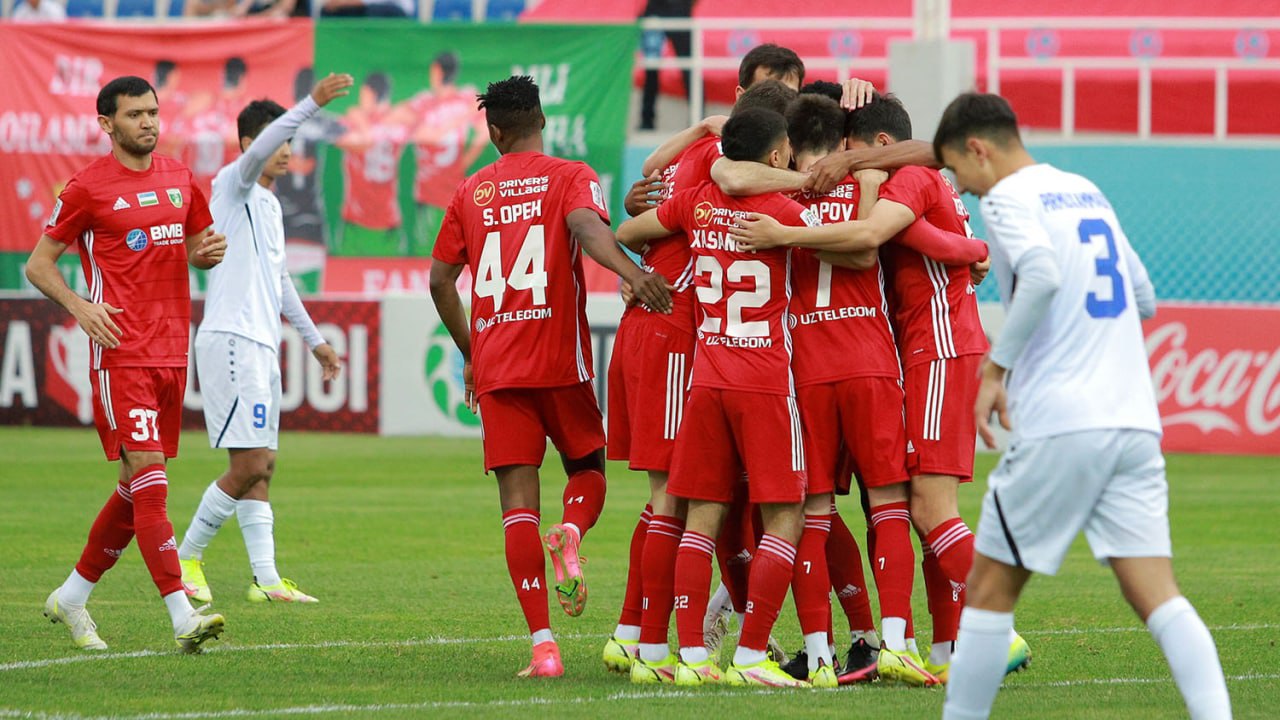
(44, 369)
(204, 75)
(1217, 377)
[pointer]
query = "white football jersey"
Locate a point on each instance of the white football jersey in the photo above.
(1085, 366)
(245, 294)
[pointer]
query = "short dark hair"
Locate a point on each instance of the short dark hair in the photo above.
(257, 115)
(448, 62)
(769, 94)
(513, 105)
(380, 83)
(777, 60)
(988, 116)
(233, 71)
(126, 85)
(884, 114)
(749, 135)
(823, 87)
(815, 123)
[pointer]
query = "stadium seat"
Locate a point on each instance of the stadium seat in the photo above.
(504, 10)
(136, 8)
(451, 10)
(86, 8)
(176, 8)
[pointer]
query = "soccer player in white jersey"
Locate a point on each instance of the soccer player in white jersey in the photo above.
(1069, 377)
(238, 342)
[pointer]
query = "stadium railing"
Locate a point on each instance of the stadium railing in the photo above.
(992, 34)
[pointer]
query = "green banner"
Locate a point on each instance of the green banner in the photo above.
(391, 154)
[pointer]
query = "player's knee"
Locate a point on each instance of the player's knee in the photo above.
(592, 461)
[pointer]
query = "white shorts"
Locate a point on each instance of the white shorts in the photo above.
(240, 387)
(1108, 483)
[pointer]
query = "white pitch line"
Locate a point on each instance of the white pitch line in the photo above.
(435, 641)
(465, 704)
(1141, 629)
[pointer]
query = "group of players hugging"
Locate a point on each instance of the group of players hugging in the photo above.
(799, 319)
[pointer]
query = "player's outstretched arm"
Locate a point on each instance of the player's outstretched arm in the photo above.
(830, 170)
(946, 247)
(667, 151)
(282, 128)
(862, 260)
(634, 233)
(744, 177)
(645, 194)
(95, 319)
(599, 242)
(296, 313)
(206, 249)
(760, 232)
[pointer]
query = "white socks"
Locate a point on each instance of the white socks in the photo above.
(179, 608)
(75, 591)
(893, 631)
(627, 633)
(1193, 658)
(654, 652)
(817, 649)
(977, 668)
(257, 524)
(215, 507)
(538, 638)
(691, 655)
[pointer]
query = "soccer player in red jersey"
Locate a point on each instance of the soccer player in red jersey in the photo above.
(140, 220)
(375, 137)
(941, 343)
(448, 135)
(743, 342)
(519, 225)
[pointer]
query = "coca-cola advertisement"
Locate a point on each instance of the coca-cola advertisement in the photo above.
(1216, 371)
(44, 369)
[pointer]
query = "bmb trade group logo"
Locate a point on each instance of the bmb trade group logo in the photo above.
(484, 193)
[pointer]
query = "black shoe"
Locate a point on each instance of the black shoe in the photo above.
(859, 664)
(798, 667)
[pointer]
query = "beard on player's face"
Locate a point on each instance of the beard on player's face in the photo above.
(137, 142)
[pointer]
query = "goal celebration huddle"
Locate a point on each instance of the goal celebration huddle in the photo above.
(802, 324)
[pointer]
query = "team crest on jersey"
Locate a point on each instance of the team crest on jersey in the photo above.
(175, 197)
(703, 212)
(136, 240)
(484, 193)
(147, 199)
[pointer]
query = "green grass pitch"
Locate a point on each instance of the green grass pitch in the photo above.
(401, 540)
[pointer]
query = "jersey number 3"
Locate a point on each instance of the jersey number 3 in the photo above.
(1107, 266)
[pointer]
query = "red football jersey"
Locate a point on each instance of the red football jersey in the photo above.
(696, 161)
(839, 317)
(370, 174)
(743, 339)
(670, 256)
(131, 227)
(936, 308)
(452, 121)
(507, 223)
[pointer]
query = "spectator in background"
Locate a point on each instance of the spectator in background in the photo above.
(243, 8)
(681, 42)
(39, 11)
(367, 8)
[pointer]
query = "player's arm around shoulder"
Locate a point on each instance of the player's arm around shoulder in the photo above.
(746, 177)
(598, 241)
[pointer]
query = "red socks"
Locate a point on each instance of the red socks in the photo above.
(692, 588)
(844, 563)
(948, 556)
(894, 559)
(658, 567)
(735, 548)
(150, 490)
(771, 572)
(527, 565)
(111, 533)
(583, 500)
(632, 599)
(810, 581)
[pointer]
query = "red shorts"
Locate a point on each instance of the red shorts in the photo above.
(860, 416)
(138, 408)
(941, 431)
(728, 431)
(516, 423)
(648, 383)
